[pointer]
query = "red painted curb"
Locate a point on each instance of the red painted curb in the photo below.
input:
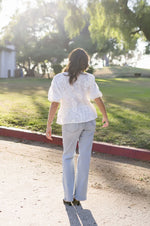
(29, 135)
(135, 153)
(129, 152)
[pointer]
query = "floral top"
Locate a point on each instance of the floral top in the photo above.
(75, 105)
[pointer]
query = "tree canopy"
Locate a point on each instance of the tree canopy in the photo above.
(123, 20)
(38, 35)
(50, 30)
(130, 17)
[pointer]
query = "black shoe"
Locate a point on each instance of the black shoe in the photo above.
(67, 203)
(76, 202)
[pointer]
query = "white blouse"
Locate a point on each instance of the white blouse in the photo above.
(75, 105)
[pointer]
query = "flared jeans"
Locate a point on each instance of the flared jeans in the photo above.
(75, 186)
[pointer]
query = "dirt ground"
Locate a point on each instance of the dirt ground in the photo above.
(31, 189)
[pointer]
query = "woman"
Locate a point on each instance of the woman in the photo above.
(74, 89)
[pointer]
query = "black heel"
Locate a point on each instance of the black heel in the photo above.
(76, 202)
(67, 203)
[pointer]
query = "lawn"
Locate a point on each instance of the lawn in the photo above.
(118, 71)
(24, 104)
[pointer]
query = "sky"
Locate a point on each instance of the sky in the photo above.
(9, 7)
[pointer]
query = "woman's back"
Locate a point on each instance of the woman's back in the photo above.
(74, 98)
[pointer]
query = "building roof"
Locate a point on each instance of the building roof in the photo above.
(8, 48)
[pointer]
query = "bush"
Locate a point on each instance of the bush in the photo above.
(90, 70)
(57, 68)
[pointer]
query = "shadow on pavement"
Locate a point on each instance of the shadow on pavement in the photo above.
(79, 216)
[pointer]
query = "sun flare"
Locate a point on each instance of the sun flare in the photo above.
(9, 8)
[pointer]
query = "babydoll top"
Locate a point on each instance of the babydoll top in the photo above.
(75, 99)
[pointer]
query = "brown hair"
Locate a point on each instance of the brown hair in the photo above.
(78, 62)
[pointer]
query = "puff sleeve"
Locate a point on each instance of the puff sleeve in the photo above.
(54, 93)
(94, 91)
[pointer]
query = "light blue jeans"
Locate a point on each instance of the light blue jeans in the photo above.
(75, 186)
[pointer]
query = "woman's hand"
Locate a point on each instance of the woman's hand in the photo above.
(49, 133)
(105, 122)
(52, 112)
(101, 106)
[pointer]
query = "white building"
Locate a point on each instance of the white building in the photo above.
(7, 61)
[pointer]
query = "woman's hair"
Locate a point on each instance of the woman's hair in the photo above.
(78, 62)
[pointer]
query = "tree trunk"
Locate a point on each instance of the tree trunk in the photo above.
(105, 61)
(30, 72)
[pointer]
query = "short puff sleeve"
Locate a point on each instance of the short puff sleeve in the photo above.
(54, 93)
(94, 91)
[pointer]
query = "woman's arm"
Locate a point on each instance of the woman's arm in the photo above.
(101, 107)
(52, 111)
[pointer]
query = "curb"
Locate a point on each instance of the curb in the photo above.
(134, 153)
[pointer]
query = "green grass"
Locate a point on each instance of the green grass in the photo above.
(24, 104)
(128, 106)
(118, 71)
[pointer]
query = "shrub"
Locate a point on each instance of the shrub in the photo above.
(57, 68)
(90, 70)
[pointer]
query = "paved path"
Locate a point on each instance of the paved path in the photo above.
(31, 190)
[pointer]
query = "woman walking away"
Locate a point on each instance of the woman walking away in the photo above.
(73, 89)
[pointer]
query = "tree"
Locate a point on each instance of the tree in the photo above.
(38, 35)
(110, 50)
(147, 49)
(21, 31)
(74, 20)
(105, 25)
(83, 40)
(124, 18)
(97, 32)
(121, 20)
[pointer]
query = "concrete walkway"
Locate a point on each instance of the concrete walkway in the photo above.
(31, 189)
